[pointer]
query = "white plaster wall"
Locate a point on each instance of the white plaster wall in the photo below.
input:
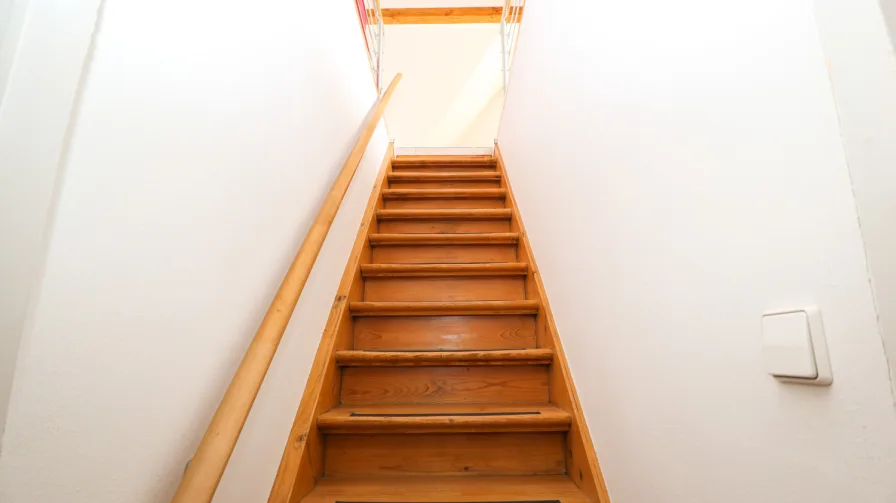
(679, 169)
(40, 68)
(862, 67)
(206, 137)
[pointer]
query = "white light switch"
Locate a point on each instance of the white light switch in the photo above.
(794, 348)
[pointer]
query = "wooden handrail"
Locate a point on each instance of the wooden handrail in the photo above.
(207, 465)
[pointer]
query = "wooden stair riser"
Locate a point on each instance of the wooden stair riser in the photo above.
(444, 203)
(464, 454)
(435, 165)
(445, 385)
(443, 226)
(445, 168)
(445, 288)
(444, 254)
(446, 183)
(428, 333)
(445, 221)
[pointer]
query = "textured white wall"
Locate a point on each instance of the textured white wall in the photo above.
(679, 170)
(863, 73)
(207, 135)
(43, 64)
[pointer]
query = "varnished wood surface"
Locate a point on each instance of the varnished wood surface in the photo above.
(444, 239)
(457, 180)
(425, 489)
(443, 418)
(460, 454)
(456, 214)
(444, 308)
(464, 253)
(477, 161)
(429, 333)
(361, 358)
(444, 288)
(449, 384)
(444, 221)
(449, 270)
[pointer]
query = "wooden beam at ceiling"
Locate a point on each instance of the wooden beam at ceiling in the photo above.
(443, 15)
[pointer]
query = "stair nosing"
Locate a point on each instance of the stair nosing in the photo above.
(393, 194)
(444, 270)
(444, 175)
(503, 357)
(445, 214)
(399, 239)
(454, 308)
(543, 417)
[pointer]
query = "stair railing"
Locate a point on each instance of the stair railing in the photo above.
(207, 465)
(372, 23)
(510, 30)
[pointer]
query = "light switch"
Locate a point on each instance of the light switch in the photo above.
(794, 348)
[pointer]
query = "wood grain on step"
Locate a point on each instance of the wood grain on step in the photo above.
(472, 384)
(447, 270)
(443, 239)
(443, 308)
(445, 332)
(426, 489)
(412, 176)
(443, 226)
(462, 454)
(444, 203)
(389, 194)
(465, 214)
(360, 358)
(444, 254)
(444, 288)
(443, 160)
(444, 221)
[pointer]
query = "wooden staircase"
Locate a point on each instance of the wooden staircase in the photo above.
(440, 375)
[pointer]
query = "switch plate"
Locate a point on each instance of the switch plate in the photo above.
(794, 347)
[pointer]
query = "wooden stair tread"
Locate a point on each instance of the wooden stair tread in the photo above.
(441, 160)
(444, 194)
(424, 489)
(443, 418)
(489, 238)
(433, 270)
(355, 358)
(448, 214)
(444, 308)
(444, 176)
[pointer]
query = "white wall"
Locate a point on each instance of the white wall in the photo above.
(863, 73)
(450, 75)
(13, 14)
(34, 116)
(679, 170)
(206, 137)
